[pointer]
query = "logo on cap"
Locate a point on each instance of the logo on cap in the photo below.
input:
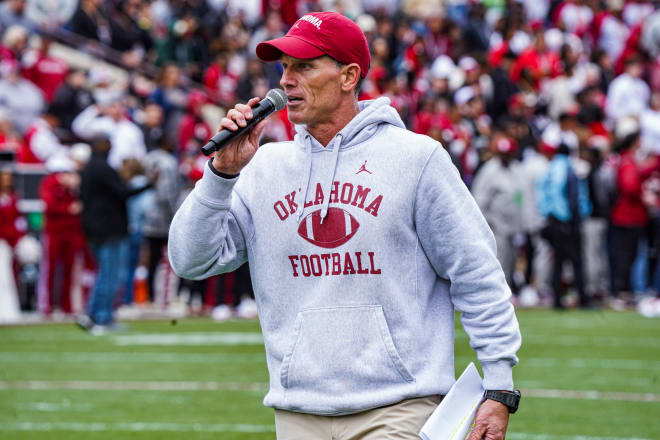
(313, 20)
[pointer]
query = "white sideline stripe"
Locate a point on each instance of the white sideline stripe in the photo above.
(263, 386)
(214, 358)
(221, 427)
(135, 427)
(591, 395)
(623, 364)
(528, 338)
(206, 338)
(132, 386)
(136, 358)
(582, 341)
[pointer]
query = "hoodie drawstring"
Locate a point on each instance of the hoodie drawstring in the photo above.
(330, 177)
(307, 176)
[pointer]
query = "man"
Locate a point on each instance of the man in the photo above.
(498, 190)
(62, 236)
(41, 142)
(356, 274)
(72, 97)
(111, 120)
(105, 224)
(160, 205)
(563, 199)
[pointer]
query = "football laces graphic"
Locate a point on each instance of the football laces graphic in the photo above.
(338, 227)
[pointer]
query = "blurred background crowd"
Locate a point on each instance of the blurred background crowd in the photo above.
(550, 109)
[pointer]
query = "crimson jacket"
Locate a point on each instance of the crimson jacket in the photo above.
(58, 200)
(629, 210)
(12, 224)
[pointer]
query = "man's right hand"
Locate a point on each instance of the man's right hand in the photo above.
(234, 156)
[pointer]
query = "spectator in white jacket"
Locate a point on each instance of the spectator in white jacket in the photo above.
(628, 94)
(23, 100)
(499, 191)
(126, 137)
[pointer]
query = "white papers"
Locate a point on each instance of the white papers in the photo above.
(452, 419)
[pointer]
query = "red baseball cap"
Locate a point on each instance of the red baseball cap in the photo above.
(317, 34)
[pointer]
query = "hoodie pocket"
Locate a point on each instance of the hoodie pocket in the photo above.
(342, 349)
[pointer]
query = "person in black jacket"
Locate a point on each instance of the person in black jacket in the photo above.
(104, 219)
(72, 98)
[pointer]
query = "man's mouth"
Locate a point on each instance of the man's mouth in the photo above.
(294, 99)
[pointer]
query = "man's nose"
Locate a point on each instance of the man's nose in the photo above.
(287, 79)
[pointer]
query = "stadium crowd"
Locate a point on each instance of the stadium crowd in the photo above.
(549, 109)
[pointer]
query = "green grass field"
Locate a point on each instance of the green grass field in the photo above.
(584, 376)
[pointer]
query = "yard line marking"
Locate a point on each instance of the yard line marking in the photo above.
(215, 358)
(124, 357)
(64, 405)
(623, 364)
(583, 340)
(591, 395)
(205, 338)
(222, 427)
(133, 385)
(263, 386)
(529, 436)
(136, 427)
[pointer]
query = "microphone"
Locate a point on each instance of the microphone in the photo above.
(275, 100)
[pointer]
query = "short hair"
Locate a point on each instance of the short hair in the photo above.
(358, 86)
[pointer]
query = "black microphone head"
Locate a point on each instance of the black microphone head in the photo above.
(277, 97)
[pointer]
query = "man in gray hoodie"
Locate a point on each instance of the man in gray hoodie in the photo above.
(361, 240)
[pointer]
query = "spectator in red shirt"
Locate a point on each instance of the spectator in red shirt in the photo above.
(62, 237)
(193, 130)
(44, 71)
(12, 228)
(41, 143)
(12, 223)
(538, 60)
(220, 83)
(629, 215)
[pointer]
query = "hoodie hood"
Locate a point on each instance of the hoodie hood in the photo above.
(372, 114)
(364, 125)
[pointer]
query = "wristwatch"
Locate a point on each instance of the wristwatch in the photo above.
(509, 398)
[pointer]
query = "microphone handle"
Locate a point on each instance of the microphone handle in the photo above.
(224, 136)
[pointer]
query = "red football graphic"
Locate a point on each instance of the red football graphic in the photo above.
(338, 227)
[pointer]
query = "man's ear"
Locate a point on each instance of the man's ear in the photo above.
(350, 76)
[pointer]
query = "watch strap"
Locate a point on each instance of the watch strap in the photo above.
(509, 398)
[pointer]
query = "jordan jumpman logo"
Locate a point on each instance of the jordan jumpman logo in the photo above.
(364, 168)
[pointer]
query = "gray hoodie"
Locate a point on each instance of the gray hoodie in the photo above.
(359, 253)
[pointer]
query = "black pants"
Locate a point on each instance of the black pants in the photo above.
(566, 242)
(156, 247)
(626, 243)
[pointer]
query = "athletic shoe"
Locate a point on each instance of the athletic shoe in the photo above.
(128, 311)
(98, 330)
(247, 309)
(84, 322)
(221, 313)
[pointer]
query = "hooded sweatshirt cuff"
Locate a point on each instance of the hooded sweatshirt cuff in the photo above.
(215, 190)
(498, 375)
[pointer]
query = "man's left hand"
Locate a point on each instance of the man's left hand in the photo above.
(491, 421)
